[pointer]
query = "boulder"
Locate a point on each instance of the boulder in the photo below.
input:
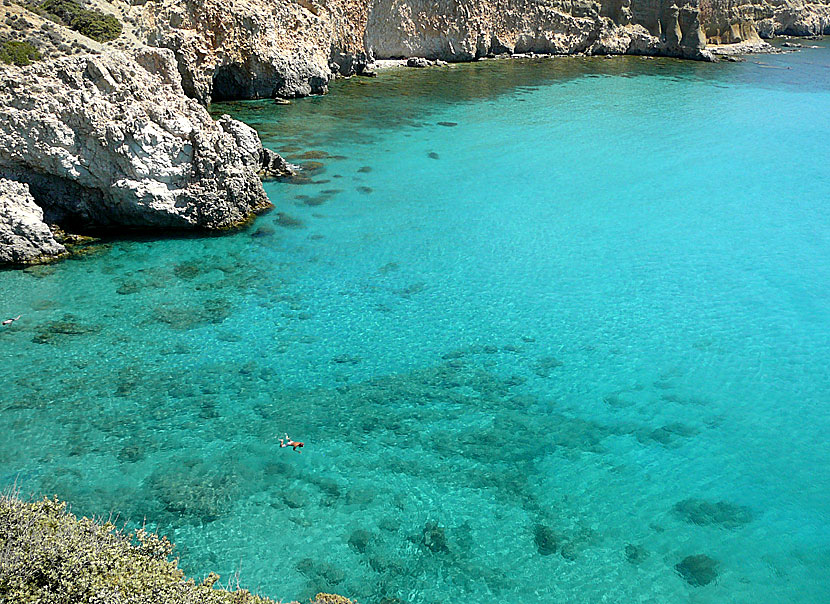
(719, 513)
(269, 164)
(24, 237)
(101, 141)
(697, 570)
(418, 62)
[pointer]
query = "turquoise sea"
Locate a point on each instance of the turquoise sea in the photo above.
(551, 330)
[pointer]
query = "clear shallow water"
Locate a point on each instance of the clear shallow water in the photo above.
(587, 340)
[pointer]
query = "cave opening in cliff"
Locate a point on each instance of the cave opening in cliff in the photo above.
(230, 82)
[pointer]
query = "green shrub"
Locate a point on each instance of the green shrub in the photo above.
(48, 555)
(94, 24)
(18, 53)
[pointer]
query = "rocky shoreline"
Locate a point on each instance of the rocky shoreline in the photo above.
(111, 141)
(116, 135)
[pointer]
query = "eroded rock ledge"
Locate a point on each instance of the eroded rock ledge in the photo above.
(112, 141)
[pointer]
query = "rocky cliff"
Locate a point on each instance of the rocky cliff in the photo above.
(264, 48)
(253, 49)
(111, 140)
(729, 21)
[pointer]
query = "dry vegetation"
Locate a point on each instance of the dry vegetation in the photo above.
(47, 555)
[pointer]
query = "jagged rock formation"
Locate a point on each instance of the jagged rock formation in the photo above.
(266, 48)
(258, 48)
(112, 141)
(24, 237)
(454, 31)
(268, 163)
(731, 21)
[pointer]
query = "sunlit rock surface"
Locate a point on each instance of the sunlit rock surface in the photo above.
(111, 140)
(24, 237)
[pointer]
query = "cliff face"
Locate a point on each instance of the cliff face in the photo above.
(265, 48)
(111, 140)
(464, 30)
(253, 49)
(729, 21)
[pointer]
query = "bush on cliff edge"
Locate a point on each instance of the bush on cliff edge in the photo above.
(94, 24)
(49, 555)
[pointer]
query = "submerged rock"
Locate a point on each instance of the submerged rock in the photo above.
(722, 513)
(544, 366)
(314, 155)
(569, 552)
(284, 220)
(359, 540)
(346, 359)
(70, 326)
(194, 491)
(295, 499)
(635, 554)
(697, 570)
(313, 166)
(545, 540)
(109, 140)
(320, 571)
(263, 231)
(435, 538)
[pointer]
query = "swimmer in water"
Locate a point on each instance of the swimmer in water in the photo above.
(10, 321)
(287, 442)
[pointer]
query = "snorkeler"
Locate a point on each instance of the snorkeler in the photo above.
(10, 321)
(287, 442)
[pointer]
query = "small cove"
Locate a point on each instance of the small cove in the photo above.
(547, 328)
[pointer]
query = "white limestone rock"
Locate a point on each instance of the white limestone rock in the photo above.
(255, 48)
(24, 237)
(286, 48)
(102, 141)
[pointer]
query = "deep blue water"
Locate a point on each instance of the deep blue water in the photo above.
(546, 327)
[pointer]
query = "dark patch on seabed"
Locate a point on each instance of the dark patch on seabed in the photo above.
(456, 425)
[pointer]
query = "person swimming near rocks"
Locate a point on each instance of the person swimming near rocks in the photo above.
(287, 442)
(10, 321)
